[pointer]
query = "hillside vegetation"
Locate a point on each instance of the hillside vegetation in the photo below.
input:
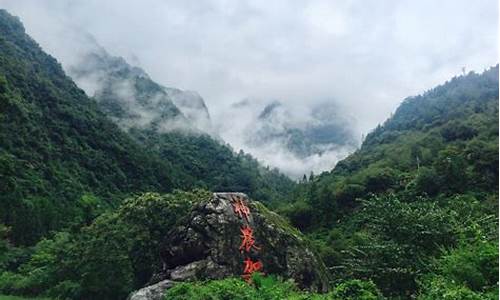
(85, 205)
(63, 161)
(413, 206)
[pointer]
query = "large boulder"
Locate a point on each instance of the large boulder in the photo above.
(207, 244)
(152, 292)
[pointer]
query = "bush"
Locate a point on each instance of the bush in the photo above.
(356, 290)
(451, 168)
(268, 288)
(380, 180)
(106, 260)
(455, 130)
(346, 194)
(65, 290)
(427, 182)
(441, 288)
(11, 283)
(475, 266)
(300, 214)
(467, 272)
(265, 288)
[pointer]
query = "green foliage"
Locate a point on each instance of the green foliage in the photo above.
(204, 162)
(300, 214)
(4, 245)
(49, 261)
(440, 288)
(117, 253)
(346, 194)
(57, 146)
(268, 288)
(425, 180)
(379, 180)
(467, 272)
(63, 162)
(5, 297)
(451, 168)
(475, 266)
(233, 288)
(413, 212)
(426, 183)
(357, 290)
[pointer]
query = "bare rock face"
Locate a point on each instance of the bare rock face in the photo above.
(152, 292)
(229, 235)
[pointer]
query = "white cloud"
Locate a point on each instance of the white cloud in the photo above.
(368, 55)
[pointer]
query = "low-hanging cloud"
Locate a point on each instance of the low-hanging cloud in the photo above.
(367, 55)
(297, 139)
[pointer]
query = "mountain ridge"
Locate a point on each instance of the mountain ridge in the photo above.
(63, 160)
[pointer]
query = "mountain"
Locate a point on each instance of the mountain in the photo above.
(323, 130)
(63, 161)
(132, 99)
(57, 149)
(126, 93)
(193, 107)
(411, 214)
(297, 139)
(175, 125)
(421, 194)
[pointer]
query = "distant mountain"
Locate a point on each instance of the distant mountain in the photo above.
(294, 137)
(57, 148)
(193, 107)
(176, 125)
(132, 99)
(321, 130)
(62, 159)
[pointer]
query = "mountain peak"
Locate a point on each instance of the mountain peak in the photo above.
(133, 100)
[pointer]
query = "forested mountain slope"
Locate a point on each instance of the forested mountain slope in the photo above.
(412, 214)
(422, 187)
(175, 125)
(56, 145)
(63, 161)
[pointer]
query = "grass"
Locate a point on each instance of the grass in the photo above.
(6, 297)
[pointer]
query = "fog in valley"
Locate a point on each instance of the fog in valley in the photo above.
(296, 84)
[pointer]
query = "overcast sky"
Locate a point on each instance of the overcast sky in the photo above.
(367, 55)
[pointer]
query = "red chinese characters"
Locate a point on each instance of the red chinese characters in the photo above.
(251, 267)
(240, 208)
(248, 241)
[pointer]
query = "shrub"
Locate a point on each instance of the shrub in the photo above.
(300, 214)
(427, 181)
(441, 288)
(265, 288)
(356, 290)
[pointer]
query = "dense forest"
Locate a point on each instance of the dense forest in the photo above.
(415, 208)
(148, 111)
(84, 205)
(63, 161)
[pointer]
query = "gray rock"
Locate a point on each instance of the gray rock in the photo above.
(205, 245)
(152, 292)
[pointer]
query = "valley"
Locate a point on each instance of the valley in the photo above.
(114, 186)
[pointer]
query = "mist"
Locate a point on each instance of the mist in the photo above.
(363, 56)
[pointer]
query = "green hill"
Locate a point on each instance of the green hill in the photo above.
(412, 214)
(423, 183)
(147, 111)
(56, 146)
(63, 161)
